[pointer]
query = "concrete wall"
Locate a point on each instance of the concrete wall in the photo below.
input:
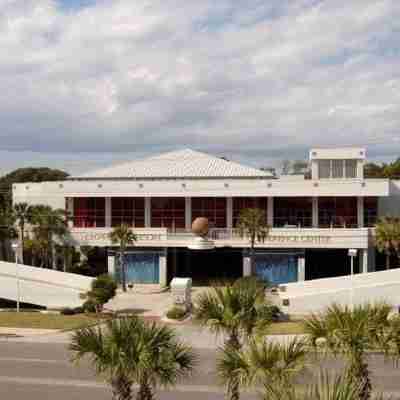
(390, 206)
(44, 287)
(316, 295)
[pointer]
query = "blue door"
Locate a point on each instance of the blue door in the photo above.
(276, 268)
(141, 268)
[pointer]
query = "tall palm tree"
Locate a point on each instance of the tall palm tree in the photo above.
(129, 350)
(235, 311)
(49, 224)
(7, 229)
(387, 237)
(23, 215)
(124, 237)
(271, 366)
(253, 225)
(350, 334)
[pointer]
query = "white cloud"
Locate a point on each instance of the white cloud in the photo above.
(252, 80)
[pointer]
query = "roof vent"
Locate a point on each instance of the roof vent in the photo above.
(141, 185)
(99, 185)
(226, 185)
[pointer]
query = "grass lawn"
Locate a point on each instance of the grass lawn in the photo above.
(286, 328)
(45, 321)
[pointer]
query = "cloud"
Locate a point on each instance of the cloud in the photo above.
(255, 81)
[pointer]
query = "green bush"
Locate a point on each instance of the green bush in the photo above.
(67, 311)
(176, 313)
(89, 306)
(103, 289)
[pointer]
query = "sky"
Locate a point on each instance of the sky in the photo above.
(87, 83)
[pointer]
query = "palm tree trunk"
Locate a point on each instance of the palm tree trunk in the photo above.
(233, 391)
(22, 243)
(121, 388)
(123, 271)
(145, 392)
(387, 260)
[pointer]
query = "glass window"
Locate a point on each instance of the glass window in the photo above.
(324, 169)
(337, 169)
(212, 208)
(89, 212)
(168, 212)
(351, 168)
(127, 210)
(241, 203)
(293, 211)
(370, 211)
(337, 212)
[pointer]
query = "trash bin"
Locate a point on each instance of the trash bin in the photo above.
(181, 289)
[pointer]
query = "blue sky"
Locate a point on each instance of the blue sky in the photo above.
(89, 83)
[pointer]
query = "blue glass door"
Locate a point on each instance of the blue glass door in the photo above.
(141, 268)
(276, 268)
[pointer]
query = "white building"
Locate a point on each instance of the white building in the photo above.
(313, 221)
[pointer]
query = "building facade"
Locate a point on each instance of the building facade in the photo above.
(313, 222)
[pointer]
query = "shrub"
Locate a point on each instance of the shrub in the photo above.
(79, 310)
(67, 311)
(103, 289)
(176, 313)
(89, 306)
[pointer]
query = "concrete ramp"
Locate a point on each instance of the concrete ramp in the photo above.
(316, 295)
(43, 287)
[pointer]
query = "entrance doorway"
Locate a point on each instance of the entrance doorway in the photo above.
(329, 263)
(205, 266)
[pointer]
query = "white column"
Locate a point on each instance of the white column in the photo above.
(246, 266)
(360, 169)
(163, 268)
(229, 212)
(188, 213)
(363, 259)
(270, 212)
(70, 210)
(108, 212)
(301, 269)
(147, 212)
(315, 211)
(360, 212)
(111, 265)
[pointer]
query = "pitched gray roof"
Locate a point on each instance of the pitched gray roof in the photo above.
(178, 164)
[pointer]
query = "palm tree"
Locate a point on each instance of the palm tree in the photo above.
(271, 366)
(129, 350)
(49, 224)
(252, 225)
(350, 334)
(23, 215)
(7, 229)
(235, 311)
(161, 359)
(387, 237)
(327, 388)
(123, 236)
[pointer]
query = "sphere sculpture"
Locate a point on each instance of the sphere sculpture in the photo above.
(200, 226)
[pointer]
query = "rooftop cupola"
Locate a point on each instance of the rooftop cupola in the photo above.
(338, 163)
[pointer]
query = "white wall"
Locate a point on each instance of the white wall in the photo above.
(315, 295)
(390, 206)
(44, 287)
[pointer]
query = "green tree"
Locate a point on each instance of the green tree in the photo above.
(350, 334)
(49, 225)
(253, 225)
(128, 350)
(23, 214)
(7, 230)
(124, 237)
(387, 237)
(271, 366)
(236, 312)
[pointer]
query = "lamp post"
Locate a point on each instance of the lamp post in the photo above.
(352, 254)
(15, 247)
